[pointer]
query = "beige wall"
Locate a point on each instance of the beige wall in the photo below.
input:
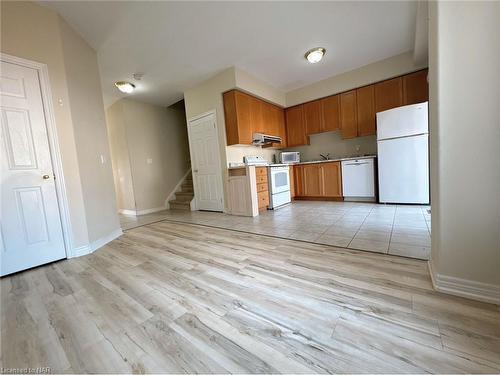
(378, 71)
(89, 124)
(464, 61)
(118, 146)
(36, 33)
(146, 131)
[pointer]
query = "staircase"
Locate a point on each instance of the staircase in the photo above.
(183, 198)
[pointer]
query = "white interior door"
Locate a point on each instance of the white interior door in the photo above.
(29, 217)
(207, 173)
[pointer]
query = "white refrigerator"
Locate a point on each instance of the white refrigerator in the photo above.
(403, 154)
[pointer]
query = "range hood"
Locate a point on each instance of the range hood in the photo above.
(265, 140)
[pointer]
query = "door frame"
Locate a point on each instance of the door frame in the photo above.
(195, 118)
(54, 150)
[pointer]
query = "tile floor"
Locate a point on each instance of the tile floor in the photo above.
(389, 229)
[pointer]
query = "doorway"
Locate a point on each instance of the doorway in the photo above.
(206, 164)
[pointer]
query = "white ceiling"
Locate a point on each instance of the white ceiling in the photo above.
(179, 44)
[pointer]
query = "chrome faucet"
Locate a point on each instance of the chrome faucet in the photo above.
(325, 157)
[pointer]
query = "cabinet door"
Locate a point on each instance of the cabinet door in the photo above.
(313, 117)
(295, 127)
(388, 94)
(348, 114)
(365, 98)
(237, 118)
(331, 180)
(312, 180)
(415, 87)
(256, 114)
(331, 113)
(277, 116)
(298, 176)
(292, 181)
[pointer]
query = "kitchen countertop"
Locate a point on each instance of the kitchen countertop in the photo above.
(309, 162)
(336, 159)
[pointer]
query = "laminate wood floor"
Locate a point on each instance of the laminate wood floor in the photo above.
(182, 298)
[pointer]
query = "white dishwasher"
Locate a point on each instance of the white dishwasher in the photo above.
(358, 179)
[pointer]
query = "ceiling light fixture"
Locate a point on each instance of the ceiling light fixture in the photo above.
(125, 86)
(315, 55)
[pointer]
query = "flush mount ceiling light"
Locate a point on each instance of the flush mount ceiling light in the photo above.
(125, 86)
(315, 55)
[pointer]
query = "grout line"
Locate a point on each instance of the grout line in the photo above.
(392, 228)
(349, 244)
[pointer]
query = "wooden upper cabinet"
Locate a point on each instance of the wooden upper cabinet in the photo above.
(256, 114)
(274, 123)
(365, 98)
(330, 108)
(388, 94)
(312, 180)
(348, 114)
(313, 117)
(295, 126)
(237, 114)
(245, 114)
(415, 87)
(331, 179)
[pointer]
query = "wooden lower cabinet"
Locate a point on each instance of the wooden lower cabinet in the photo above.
(298, 185)
(262, 187)
(312, 180)
(319, 180)
(331, 178)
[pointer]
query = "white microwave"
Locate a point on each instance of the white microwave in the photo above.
(290, 157)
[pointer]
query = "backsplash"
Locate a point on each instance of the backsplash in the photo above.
(235, 154)
(333, 143)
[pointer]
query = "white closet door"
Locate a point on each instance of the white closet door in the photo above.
(31, 232)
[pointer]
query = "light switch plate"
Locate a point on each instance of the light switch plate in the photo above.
(149, 161)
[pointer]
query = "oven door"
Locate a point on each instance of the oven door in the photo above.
(279, 179)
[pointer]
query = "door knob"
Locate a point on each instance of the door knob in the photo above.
(195, 171)
(45, 176)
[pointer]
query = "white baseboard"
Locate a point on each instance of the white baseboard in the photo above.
(79, 251)
(465, 288)
(128, 212)
(142, 212)
(176, 189)
(93, 246)
(104, 240)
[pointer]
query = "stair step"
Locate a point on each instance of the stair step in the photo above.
(184, 196)
(187, 187)
(179, 205)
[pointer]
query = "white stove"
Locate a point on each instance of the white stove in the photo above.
(255, 160)
(279, 185)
